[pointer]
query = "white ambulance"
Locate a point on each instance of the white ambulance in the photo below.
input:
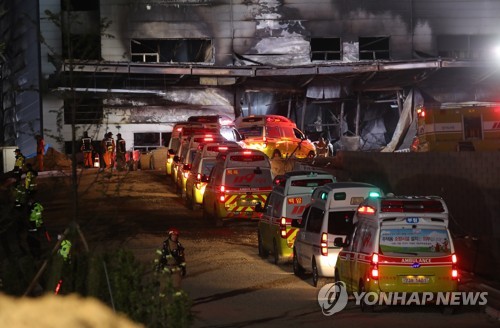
(329, 216)
(239, 181)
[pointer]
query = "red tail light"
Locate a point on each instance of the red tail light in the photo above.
(283, 223)
(421, 112)
(222, 196)
(366, 210)
(454, 269)
(374, 264)
(247, 153)
(324, 244)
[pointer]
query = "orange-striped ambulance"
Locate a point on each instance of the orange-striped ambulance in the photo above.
(238, 182)
(290, 196)
(458, 126)
(399, 244)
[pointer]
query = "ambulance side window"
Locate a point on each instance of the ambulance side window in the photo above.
(273, 132)
(315, 220)
(350, 237)
(214, 175)
(269, 204)
(278, 205)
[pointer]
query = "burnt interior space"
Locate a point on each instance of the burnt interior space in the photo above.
(165, 51)
(373, 48)
(323, 49)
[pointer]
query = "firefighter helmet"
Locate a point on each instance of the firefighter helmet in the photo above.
(173, 231)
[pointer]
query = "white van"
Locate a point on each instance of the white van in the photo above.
(290, 196)
(329, 216)
(239, 181)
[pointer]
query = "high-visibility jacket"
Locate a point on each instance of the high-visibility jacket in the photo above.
(65, 249)
(19, 162)
(30, 180)
(86, 145)
(36, 215)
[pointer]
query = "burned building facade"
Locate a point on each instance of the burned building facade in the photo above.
(354, 69)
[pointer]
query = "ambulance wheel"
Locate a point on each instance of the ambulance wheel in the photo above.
(277, 258)
(276, 154)
(189, 202)
(206, 215)
(317, 280)
(218, 221)
(298, 270)
(365, 307)
(262, 251)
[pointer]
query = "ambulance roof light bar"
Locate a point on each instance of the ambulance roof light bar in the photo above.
(411, 206)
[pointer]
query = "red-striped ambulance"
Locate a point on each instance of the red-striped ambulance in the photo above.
(290, 196)
(238, 182)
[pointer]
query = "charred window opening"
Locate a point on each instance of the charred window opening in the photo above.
(373, 48)
(175, 51)
(82, 46)
(79, 5)
(465, 46)
(326, 49)
(81, 35)
(87, 111)
(147, 141)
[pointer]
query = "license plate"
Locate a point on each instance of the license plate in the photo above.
(415, 280)
(247, 203)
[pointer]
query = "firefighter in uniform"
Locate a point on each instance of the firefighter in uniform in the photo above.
(30, 180)
(19, 164)
(36, 230)
(87, 149)
(121, 149)
(322, 147)
(109, 150)
(172, 260)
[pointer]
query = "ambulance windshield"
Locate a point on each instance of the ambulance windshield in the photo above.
(415, 241)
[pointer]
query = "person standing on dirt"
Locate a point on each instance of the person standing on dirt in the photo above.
(40, 152)
(87, 149)
(172, 258)
(121, 150)
(108, 144)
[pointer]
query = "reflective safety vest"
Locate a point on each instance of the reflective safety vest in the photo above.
(19, 161)
(36, 215)
(109, 144)
(121, 146)
(86, 144)
(20, 192)
(30, 180)
(65, 249)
